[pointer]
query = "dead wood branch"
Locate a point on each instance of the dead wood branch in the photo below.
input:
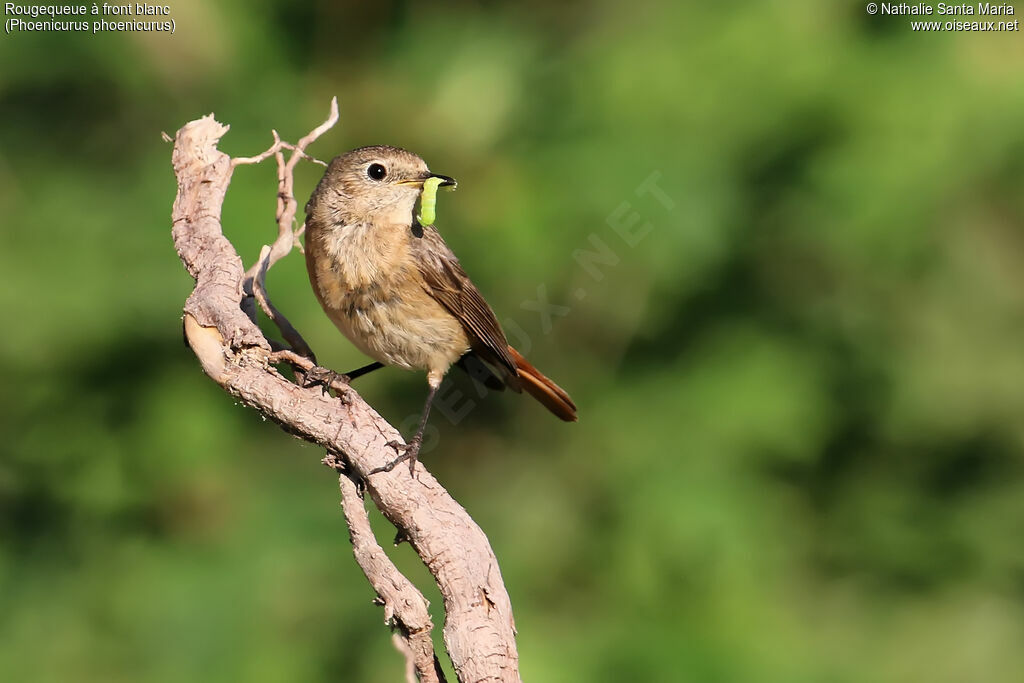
(479, 632)
(404, 606)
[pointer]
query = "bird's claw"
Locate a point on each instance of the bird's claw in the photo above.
(324, 377)
(406, 451)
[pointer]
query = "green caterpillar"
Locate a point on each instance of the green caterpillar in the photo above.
(428, 201)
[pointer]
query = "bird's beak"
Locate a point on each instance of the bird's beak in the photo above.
(446, 181)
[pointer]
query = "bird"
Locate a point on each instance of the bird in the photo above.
(395, 289)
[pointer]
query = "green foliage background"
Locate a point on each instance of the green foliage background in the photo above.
(799, 456)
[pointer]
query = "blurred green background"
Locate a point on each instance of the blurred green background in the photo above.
(800, 455)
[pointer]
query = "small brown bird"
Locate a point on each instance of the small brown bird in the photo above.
(395, 289)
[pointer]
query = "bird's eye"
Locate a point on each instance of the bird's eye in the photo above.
(376, 172)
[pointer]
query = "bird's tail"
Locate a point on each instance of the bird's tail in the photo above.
(552, 396)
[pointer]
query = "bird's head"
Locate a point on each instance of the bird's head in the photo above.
(371, 185)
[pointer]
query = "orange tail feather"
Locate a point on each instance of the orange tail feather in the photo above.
(552, 396)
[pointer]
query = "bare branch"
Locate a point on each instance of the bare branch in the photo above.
(402, 645)
(203, 175)
(254, 282)
(304, 365)
(310, 138)
(272, 150)
(479, 632)
(288, 331)
(404, 606)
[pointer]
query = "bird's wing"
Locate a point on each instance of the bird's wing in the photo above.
(448, 284)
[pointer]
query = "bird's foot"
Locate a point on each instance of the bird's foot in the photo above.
(326, 379)
(406, 451)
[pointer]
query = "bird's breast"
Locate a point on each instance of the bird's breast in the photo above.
(369, 285)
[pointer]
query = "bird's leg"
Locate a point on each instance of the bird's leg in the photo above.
(365, 370)
(409, 451)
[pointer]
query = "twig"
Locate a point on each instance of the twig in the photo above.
(402, 645)
(304, 365)
(288, 331)
(479, 632)
(254, 283)
(279, 144)
(272, 150)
